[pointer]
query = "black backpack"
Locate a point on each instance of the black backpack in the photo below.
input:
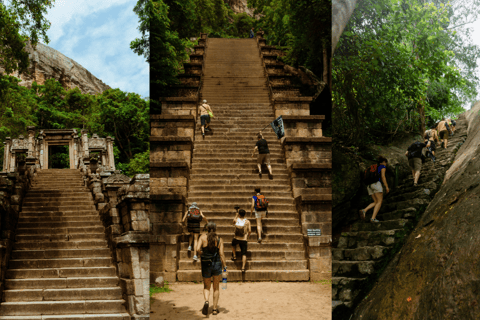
(371, 175)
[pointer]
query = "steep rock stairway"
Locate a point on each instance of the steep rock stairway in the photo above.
(364, 251)
(224, 174)
(61, 266)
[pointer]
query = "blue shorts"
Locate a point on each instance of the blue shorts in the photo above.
(204, 118)
(214, 270)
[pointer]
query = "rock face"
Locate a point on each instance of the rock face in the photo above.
(240, 6)
(436, 275)
(47, 63)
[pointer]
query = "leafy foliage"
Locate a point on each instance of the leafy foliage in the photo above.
(124, 116)
(394, 68)
(22, 20)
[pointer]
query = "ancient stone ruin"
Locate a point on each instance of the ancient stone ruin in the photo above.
(243, 85)
(73, 241)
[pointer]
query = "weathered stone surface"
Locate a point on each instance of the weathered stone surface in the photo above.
(48, 63)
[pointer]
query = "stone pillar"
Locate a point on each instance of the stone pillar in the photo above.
(6, 154)
(12, 161)
(31, 133)
(110, 160)
(41, 143)
(85, 144)
(76, 152)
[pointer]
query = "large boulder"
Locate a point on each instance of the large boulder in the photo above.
(436, 274)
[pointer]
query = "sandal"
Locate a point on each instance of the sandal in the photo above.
(205, 308)
(374, 220)
(233, 258)
(215, 312)
(243, 270)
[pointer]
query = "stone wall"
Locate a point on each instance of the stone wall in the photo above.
(13, 187)
(124, 206)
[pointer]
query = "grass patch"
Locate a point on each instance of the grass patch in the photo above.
(154, 289)
(324, 282)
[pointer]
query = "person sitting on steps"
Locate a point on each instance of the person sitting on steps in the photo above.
(213, 260)
(414, 154)
(376, 191)
(194, 216)
(443, 129)
(243, 229)
(263, 155)
(260, 205)
(204, 116)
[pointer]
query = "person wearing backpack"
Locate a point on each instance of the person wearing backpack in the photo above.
(243, 229)
(263, 155)
(443, 129)
(213, 261)
(373, 178)
(414, 154)
(193, 216)
(252, 34)
(205, 114)
(260, 205)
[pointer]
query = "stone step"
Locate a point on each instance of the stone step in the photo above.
(63, 224)
(244, 157)
(59, 214)
(106, 293)
(57, 219)
(267, 228)
(37, 198)
(251, 264)
(239, 176)
(368, 238)
(408, 213)
(266, 238)
(60, 237)
(253, 245)
(272, 214)
(59, 208)
(78, 272)
(208, 206)
(220, 194)
(346, 289)
(50, 231)
(221, 198)
(359, 254)
(61, 283)
(60, 263)
(61, 307)
(412, 203)
(257, 255)
(250, 275)
(279, 167)
(357, 269)
(382, 225)
(34, 194)
(264, 181)
(271, 221)
(282, 174)
(60, 253)
(39, 245)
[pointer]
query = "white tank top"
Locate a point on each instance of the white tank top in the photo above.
(241, 223)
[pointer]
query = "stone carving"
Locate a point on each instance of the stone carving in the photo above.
(19, 144)
(96, 143)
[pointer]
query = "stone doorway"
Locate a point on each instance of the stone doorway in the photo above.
(58, 157)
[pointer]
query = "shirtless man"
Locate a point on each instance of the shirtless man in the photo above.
(204, 117)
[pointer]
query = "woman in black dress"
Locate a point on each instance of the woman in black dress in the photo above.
(193, 216)
(213, 259)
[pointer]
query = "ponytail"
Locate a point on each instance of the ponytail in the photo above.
(212, 234)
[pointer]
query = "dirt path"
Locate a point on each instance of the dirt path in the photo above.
(250, 300)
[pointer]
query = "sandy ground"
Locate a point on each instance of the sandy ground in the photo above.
(247, 300)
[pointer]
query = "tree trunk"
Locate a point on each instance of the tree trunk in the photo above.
(421, 112)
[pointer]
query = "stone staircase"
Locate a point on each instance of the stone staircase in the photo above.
(364, 252)
(61, 266)
(224, 174)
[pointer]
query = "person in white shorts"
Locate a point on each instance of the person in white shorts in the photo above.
(376, 190)
(259, 214)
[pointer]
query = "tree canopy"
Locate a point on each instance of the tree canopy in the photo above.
(398, 67)
(20, 21)
(123, 116)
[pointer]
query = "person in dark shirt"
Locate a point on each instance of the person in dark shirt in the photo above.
(263, 155)
(375, 190)
(414, 154)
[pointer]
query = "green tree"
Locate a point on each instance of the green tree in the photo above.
(21, 21)
(393, 65)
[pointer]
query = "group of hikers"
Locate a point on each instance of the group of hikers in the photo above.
(416, 153)
(263, 157)
(212, 247)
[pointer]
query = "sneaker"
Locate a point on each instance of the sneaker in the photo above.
(195, 258)
(259, 240)
(207, 129)
(189, 248)
(260, 173)
(374, 220)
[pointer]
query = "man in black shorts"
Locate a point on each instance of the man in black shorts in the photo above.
(263, 155)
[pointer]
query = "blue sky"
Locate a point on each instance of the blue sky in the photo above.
(97, 35)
